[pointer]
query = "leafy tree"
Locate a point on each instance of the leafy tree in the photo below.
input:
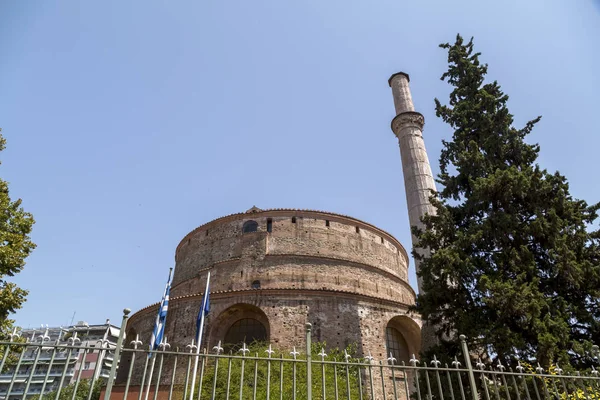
(15, 246)
(514, 264)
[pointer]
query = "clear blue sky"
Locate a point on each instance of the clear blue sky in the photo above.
(130, 123)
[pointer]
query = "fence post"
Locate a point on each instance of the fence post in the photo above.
(308, 361)
(116, 358)
(465, 350)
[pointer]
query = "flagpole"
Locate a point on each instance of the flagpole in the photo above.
(150, 378)
(199, 337)
(154, 344)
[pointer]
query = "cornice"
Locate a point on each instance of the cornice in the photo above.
(408, 118)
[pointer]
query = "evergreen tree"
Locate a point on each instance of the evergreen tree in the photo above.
(15, 246)
(514, 264)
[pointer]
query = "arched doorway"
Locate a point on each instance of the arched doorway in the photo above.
(239, 324)
(403, 338)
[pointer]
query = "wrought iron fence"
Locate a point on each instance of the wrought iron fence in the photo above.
(33, 370)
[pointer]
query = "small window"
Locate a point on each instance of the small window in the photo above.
(269, 225)
(357, 229)
(256, 285)
(327, 222)
(293, 220)
(250, 226)
(382, 240)
(207, 232)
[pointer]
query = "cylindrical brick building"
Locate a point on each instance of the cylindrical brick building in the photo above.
(272, 271)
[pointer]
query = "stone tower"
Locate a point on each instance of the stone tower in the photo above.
(418, 179)
(272, 271)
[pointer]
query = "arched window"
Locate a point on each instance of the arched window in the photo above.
(250, 226)
(396, 345)
(245, 330)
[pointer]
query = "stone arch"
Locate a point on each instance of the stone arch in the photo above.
(239, 316)
(403, 333)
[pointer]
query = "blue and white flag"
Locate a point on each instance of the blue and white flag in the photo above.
(161, 317)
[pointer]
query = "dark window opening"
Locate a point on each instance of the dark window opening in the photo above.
(269, 225)
(381, 240)
(293, 220)
(245, 330)
(326, 222)
(256, 285)
(357, 229)
(250, 226)
(207, 232)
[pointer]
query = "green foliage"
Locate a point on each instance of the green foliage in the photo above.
(15, 246)
(261, 368)
(576, 388)
(533, 383)
(513, 265)
(83, 389)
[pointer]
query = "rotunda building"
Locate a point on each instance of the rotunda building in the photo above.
(272, 271)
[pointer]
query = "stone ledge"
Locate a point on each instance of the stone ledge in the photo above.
(408, 118)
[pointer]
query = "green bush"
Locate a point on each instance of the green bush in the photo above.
(278, 376)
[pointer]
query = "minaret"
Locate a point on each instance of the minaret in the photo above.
(418, 179)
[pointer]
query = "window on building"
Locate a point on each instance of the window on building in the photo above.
(357, 229)
(250, 226)
(86, 365)
(396, 345)
(326, 222)
(269, 225)
(245, 330)
(293, 220)
(256, 285)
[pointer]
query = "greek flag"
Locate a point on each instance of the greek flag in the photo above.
(159, 326)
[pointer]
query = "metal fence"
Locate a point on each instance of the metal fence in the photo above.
(257, 372)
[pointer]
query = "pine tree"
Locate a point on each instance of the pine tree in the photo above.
(514, 263)
(15, 246)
